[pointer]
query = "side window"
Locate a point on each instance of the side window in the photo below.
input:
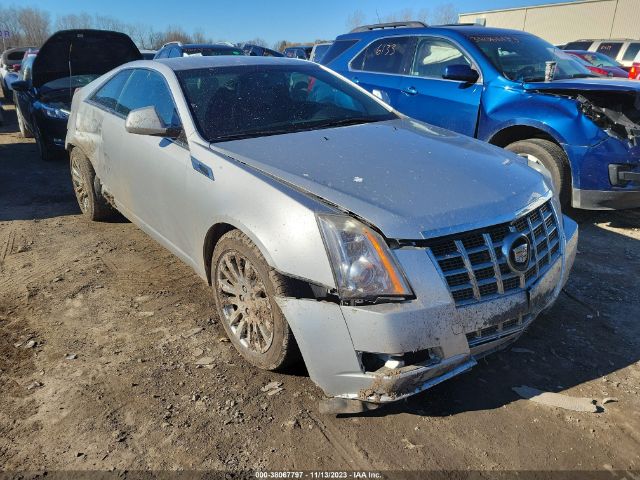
(147, 88)
(610, 49)
(631, 52)
(433, 55)
(175, 52)
(108, 94)
(163, 53)
(387, 55)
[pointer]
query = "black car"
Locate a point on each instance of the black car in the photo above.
(178, 49)
(258, 51)
(68, 60)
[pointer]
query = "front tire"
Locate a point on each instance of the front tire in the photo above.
(24, 131)
(245, 288)
(46, 155)
(553, 158)
(92, 203)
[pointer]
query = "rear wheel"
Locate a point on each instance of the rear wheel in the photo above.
(245, 288)
(553, 158)
(92, 203)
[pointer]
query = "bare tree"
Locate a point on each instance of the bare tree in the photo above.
(356, 19)
(199, 37)
(261, 42)
(444, 13)
(34, 25)
(73, 21)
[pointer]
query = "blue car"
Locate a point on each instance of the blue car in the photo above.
(511, 89)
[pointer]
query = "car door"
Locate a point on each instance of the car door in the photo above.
(427, 96)
(149, 171)
(378, 68)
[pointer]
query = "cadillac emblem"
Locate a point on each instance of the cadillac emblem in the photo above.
(517, 250)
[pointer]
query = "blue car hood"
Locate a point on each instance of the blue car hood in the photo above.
(403, 176)
(576, 85)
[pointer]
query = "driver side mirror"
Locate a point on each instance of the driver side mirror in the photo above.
(20, 86)
(462, 73)
(145, 121)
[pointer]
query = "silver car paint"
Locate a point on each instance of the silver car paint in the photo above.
(406, 178)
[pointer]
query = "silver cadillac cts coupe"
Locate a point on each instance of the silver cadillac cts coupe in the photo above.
(387, 254)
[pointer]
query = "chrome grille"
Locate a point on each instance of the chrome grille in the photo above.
(475, 268)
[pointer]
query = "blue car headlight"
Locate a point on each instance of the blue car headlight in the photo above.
(53, 112)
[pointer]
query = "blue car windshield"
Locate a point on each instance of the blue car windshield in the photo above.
(229, 103)
(522, 57)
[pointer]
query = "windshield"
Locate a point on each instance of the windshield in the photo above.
(210, 51)
(229, 103)
(76, 81)
(522, 58)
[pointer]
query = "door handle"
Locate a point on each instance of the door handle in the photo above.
(410, 91)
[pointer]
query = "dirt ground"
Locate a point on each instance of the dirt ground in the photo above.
(100, 328)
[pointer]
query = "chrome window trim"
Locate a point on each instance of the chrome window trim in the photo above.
(475, 65)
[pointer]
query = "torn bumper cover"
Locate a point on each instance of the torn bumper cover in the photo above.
(387, 352)
(608, 177)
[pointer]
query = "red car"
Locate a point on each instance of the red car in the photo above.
(599, 63)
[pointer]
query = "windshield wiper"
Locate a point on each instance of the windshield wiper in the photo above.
(341, 122)
(533, 79)
(583, 75)
(330, 123)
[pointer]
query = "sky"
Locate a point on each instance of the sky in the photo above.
(274, 20)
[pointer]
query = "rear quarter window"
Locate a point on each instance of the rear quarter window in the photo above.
(337, 49)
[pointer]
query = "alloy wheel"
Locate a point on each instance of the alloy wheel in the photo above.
(244, 302)
(79, 187)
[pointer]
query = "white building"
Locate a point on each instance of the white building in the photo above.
(560, 23)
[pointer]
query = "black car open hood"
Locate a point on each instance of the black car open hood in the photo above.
(81, 52)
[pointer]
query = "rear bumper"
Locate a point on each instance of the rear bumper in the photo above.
(336, 341)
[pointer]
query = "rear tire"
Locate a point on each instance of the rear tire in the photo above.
(553, 158)
(92, 203)
(245, 288)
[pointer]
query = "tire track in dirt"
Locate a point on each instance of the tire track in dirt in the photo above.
(352, 455)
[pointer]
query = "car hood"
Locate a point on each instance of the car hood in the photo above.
(602, 84)
(82, 52)
(409, 179)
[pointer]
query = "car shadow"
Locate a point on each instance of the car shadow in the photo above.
(591, 332)
(30, 188)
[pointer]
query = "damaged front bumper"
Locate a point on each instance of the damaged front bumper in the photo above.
(383, 353)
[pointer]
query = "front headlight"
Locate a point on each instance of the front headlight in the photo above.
(53, 112)
(362, 263)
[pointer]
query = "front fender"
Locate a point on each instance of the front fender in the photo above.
(279, 220)
(558, 116)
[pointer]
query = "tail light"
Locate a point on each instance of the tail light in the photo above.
(634, 72)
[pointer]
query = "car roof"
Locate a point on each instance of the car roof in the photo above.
(189, 63)
(435, 29)
(203, 45)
